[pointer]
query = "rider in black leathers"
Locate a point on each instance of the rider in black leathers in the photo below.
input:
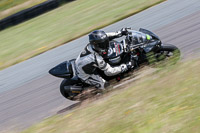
(92, 57)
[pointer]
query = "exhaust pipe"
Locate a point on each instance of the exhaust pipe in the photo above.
(73, 89)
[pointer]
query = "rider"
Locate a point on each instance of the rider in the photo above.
(92, 57)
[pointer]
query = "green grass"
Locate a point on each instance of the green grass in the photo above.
(166, 101)
(63, 24)
(6, 4)
(9, 7)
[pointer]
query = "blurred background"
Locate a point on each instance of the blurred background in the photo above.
(20, 41)
(166, 100)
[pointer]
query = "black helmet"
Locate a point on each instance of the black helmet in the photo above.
(99, 41)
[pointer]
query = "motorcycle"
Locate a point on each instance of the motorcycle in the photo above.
(118, 53)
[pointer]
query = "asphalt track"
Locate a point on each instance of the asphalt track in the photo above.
(28, 94)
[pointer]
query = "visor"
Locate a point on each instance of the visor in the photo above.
(103, 45)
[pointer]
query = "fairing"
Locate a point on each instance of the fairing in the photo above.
(115, 52)
(151, 46)
(63, 70)
(149, 33)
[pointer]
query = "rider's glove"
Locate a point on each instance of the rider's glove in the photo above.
(124, 68)
(130, 65)
(124, 31)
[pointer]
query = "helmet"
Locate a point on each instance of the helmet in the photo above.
(99, 41)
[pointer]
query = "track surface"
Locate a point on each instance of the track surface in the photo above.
(29, 94)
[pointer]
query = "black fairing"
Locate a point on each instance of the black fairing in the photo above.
(149, 33)
(152, 46)
(63, 70)
(115, 53)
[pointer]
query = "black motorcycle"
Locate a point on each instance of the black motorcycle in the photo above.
(118, 53)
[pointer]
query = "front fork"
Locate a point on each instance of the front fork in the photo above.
(138, 56)
(134, 58)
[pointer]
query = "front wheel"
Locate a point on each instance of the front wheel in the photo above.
(166, 51)
(169, 48)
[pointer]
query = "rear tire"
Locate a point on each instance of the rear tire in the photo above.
(71, 88)
(63, 90)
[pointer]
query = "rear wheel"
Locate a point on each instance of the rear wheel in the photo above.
(65, 89)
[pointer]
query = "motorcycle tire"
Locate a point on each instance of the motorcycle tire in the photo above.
(169, 47)
(169, 50)
(64, 89)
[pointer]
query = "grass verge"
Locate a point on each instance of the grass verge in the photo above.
(164, 102)
(9, 7)
(63, 24)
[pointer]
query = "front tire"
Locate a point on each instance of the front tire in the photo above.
(168, 50)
